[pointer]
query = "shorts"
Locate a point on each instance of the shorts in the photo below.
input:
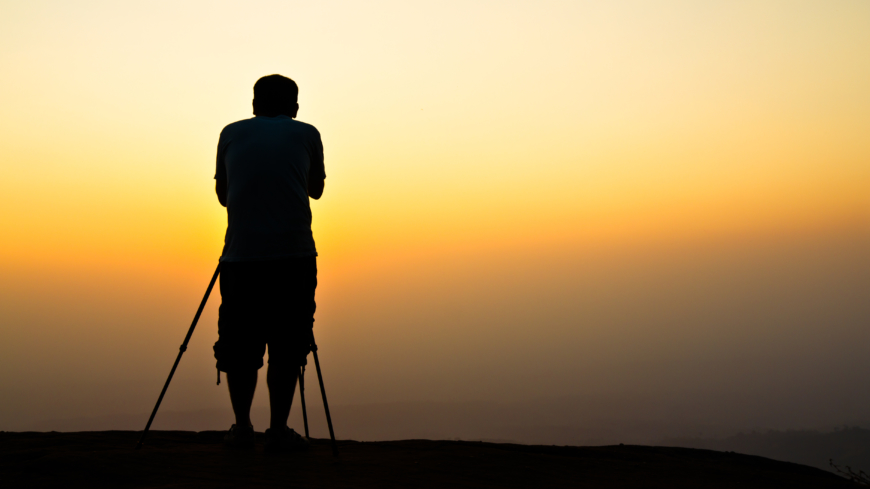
(265, 303)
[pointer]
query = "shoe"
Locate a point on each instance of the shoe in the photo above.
(285, 440)
(239, 437)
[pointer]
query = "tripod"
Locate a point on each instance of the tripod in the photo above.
(183, 348)
(322, 393)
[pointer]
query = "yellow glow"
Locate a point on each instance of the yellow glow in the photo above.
(508, 122)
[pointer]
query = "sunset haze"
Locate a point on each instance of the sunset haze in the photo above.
(662, 205)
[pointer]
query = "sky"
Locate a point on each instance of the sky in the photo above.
(524, 200)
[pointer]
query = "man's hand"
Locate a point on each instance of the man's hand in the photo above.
(220, 188)
(315, 187)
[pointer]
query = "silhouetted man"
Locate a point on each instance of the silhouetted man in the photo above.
(267, 168)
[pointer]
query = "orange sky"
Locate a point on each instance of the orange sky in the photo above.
(455, 134)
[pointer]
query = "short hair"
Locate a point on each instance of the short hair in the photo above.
(274, 93)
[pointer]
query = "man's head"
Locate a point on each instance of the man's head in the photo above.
(275, 95)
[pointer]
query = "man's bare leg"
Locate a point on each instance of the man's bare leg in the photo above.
(242, 386)
(282, 386)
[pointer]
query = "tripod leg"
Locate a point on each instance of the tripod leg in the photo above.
(181, 351)
(323, 393)
(302, 398)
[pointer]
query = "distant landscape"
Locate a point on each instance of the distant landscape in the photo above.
(848, 446)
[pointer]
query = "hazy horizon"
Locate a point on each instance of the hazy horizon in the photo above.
(648, 217)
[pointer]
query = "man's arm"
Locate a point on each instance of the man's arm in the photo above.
(317, 174)
(220, 174)
(220, 188)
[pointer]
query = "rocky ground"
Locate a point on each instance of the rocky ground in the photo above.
(189, 459)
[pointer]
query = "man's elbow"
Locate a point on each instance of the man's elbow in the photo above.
(220, 189)
(315, 189)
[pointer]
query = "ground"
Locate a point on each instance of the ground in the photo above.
(182, 459)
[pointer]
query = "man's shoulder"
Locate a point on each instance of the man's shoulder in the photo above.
(306, 127)
(253, 122)
(234, 126)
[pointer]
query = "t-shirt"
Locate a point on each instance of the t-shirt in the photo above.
(267, 162)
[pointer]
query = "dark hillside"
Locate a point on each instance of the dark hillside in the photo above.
(187, 459)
